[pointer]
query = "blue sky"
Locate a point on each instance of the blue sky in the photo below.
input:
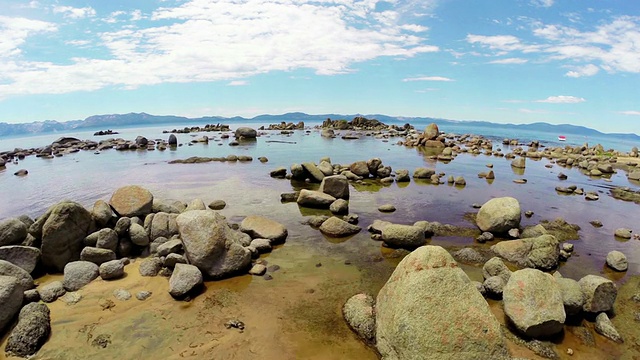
(508, 61)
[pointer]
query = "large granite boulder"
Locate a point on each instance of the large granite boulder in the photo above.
(336, 227)
(26, 257)
(533, 302)
(184, 279)
(62, 230)
(429, 309)
(541, 252)
(313, 171)
(499, 215)
(11, 295)
(599, 293)
(9, 269)
(403, 236)
(31, 332)
(78, 274)
(315, 199)
(360, 168)
(12, 231)
(246, 132)
(431, 132)
(336, 186)
(210, 244)
(101, 213)
(359, 313)
(263, 228)
(132, 201)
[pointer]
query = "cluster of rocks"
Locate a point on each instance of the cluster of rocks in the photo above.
(188, 242)
(105, 132)
(284, 126)
(207, 128)
(358, 123)
(204, 159)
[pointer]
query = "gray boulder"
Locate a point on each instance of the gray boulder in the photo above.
(572, 296)
(131, 201)
(542, 252)
(11, 295)
(217, 205)
(409, 311)
(326, 168)
(171, 260)
(496, 267)
(245, 132)
(468, 255)
(360, 168)
(312, 169)
(161, 224)
(599, 293)
(261, 245)
(122, 226)
(263, 228)
(23, 277)
(170, 247)
(315, 199)
(169, 206)
(211, 245)
(336, 186)
(26, 257)
(336, 227)
(623, 233)
(378, 226)
(12, 231)
(51, 291)
(605, 327)
(431, 132)
(359, 313)
(423, 173)
(97, 255)
(104, 238)
(101, 213)
(402, 175)
(150, 266)
(519, 163)
(499, 215)
(340, 206)
(617, 261)
(533, 302)
(31, 332)
(184, 279)
(494, 286)
(196, 204)
(138, 235)
(113, 269)
(78, 274)
(297, 172)
(404, 236)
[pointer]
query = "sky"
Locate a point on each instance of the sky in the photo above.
(507, 61)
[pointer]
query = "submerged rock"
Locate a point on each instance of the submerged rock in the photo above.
(263, 228)
(336, 227)
(541, 252)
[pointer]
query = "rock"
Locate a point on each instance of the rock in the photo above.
(599, 293)
(404, 236)
(484, 237)
(104, 239)
(326, 168)
(572, 296)
(360, 168)
(52, 291)
(495, 267)
(263, 228)
(78, 274)
(297, 172)
(97, 255)
(514, 233)
(171, 260)
(138, 235)
(499, 215)
(315, 199)
(195, 204)
(423, 173)
(162, 225)
(71, 298)
(131, 201)
(494, 286)
(62, 229)
(143, 295)
(211, 245)
(431, 132)
(23, 277)
(377, 226)
(31, 296)
(173, 140)
(541, 252)
(623, 233)
(122, 226)
(468, 255)
(184, 279)
(402, 175)
(21, 172)
(258, 270)
(101, 213)
(12, 232)
(336, 186)
(25, 257)
(113, 269)
(336, 227)
(460, 181)
(312, 169)
(406, 321)
(121, 294)
(340, 206)
(245, 132)
(519, 163)
(280, 172)
(533, 302)
(31, 332)
(534, 231)
(386, 208)
(261, 245)
(11, 295)
(170, 247)
(359, 313)
(605, 327)
(150, 266)
(168, 206)
(617, 261)
(217, 205)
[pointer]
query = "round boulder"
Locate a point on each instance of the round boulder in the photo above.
(403, 236)
(263, 228)
(132, 201)
(336, 227)
(113, 269)
(184, 279)
(246, 133)
(26, 257)
(78, 274)
(360, 315)
(12, 231)
(617, 261)
(499, 215)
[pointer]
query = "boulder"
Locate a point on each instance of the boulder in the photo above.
(150, 266)
(572, 296)
(173, 140)
(168, 206)
(423, 173)
(101, 213)
(499, 215)
(263, 228)
(12, 231)
(336, 186)
(261, 245)
(131, 201)
(377, 226)
(11, 295)
(31, 332)
(170, 247)
(245, 132)
(359, 313)
(23, 277)
(314, 199)
(431, 132)
(258, 270)
(97, 255)
(122, 226)
(297, 172)
(217, 205)
(402, 175)
(533, 303)
(340, 206)
(623, 233)
(171, 260)
(138, 235)
(113, 269)
(195, 204)
(78, 274)
(494, 286)
(51, 291)
(519, 163)
(360, 168)
(211, 245)
(62, 230)
(184, 278)
(312, 169)
(280, 172)
(403, 236)
(336, 227)
(26, 257)
(468, 255)
(105, 239)
(541, 252)
(496, 267)
(599, 293)
(326, 168)
(605, 327)
(412, 321)
(617, 261)
(162, 225)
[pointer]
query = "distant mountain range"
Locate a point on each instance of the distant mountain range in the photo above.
(104, 122)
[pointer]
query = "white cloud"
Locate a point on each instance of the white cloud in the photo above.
(237, 83)
(587, 70)
(414, 28)
(630, 112)
(509, 61)
(78, 42)
(74, 13)
(502, 43)
(562, 99)
(542, 3)
(428, 78)
(225, 40)
(532, 111)
(15, 31)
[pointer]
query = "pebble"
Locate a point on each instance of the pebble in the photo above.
(121, 294)
(143, 295)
